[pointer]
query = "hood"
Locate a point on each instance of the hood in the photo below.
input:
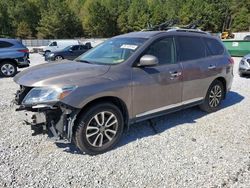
(59, 74)
(247, 56)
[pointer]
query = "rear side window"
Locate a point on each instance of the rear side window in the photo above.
(191, 48)
(4, 44)
(214, 46)
(83, 47)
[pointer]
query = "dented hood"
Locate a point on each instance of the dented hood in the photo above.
(59, 74)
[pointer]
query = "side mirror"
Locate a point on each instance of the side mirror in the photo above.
(148, 61)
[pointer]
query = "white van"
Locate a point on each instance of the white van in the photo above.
(57, 45)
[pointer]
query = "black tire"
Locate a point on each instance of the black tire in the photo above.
(46, 52)
(8, 69)
(59, 58)
(87, 125)
(211, 106)
(242, 75)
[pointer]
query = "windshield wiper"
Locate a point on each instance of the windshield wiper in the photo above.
(83, 61)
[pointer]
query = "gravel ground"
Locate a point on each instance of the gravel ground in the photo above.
(189, 149)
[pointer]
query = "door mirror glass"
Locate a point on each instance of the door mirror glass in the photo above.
(148, 60)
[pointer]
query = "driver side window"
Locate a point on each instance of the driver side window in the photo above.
(75, 48)
(164, 50)
(53, 44)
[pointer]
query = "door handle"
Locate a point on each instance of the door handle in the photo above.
(175, 74)
(211, 67)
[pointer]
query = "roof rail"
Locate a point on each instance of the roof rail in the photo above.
(168, 26)
(188, 30)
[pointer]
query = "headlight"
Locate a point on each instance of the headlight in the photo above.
(52, 54)
(47, 95)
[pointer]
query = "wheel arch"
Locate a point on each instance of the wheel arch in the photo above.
(224, 82)
(107, 99)
(8, 60)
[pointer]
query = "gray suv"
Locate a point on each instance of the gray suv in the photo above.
(13, 55)
(127, 79)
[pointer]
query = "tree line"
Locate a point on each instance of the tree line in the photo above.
(106, 18)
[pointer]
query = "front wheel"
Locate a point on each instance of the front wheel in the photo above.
(214, 97)
(99, 129)
(58, 58)
(8, 69)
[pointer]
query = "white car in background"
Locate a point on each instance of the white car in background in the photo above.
(58, 45)
(244, 66)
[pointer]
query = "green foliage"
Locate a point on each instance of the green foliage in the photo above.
(98, 21)
(23, 30)
(58, 21)
(106, 18)
(241, 15)
(5, 21)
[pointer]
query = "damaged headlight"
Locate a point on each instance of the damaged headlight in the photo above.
(47, 95)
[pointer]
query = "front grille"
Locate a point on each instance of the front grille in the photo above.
(21, 93)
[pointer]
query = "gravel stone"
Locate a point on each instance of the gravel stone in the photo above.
(188, 148)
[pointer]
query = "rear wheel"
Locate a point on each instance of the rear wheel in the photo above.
(214, 97)
(8, 69)
(99, 129)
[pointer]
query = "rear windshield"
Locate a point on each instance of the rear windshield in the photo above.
(113, 51)
(4, 44)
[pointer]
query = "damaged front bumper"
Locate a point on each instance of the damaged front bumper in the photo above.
(56, 120)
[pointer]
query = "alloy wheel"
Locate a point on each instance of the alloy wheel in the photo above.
(215, 96)
(59, 58)
(8, 69)
(101, 129)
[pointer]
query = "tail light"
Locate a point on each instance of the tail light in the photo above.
(231, 61)
(24, 50)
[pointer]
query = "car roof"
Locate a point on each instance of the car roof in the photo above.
(8, 40)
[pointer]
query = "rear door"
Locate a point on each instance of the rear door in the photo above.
(199, 69)
(158, 88)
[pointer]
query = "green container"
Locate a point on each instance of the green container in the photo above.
(237, 48)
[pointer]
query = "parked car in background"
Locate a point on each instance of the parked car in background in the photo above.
(247, 38)
(58, 45)
(13, 55)
(70, 52)
(127, 79)
(244, 66)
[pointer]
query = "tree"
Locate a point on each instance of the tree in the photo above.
(97, 21)
(5, 21)
(59, 22)
(241, 15)
(106, 18)
(24, 12)
(23, 30)
(138, 15)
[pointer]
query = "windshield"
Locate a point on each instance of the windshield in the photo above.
(67, 48)
(113, 51)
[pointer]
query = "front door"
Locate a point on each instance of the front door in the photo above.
(159, 88)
